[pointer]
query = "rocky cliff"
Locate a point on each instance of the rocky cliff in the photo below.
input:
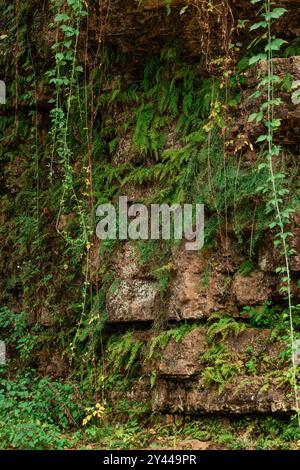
(159, 112)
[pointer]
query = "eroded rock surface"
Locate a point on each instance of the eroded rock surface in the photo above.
(242, 395)
(132, 301)
(182, 384)
(199, 285)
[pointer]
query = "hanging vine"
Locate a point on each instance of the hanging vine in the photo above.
(275, 188)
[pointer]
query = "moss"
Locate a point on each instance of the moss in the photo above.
(246, 268)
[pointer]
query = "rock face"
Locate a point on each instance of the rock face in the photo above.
(182, 360)
(137, 27)
(288, 111)
(197, 291)
(242, 396)
(190, 375)
(252, 289)
(185, 358)
(132, 301)
(268, 258)
(203, 283)
(198, 287)
(206, 371)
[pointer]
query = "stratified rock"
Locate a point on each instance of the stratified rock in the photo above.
(242, 395)
(197, 290)
(288, 111)
(253, 289)
(131, 301)
(270, 258)
(45, 316)
(181, 383)
(183, 359)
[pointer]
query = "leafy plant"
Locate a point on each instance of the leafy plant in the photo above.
(274, 189)
(293, 48)
(265, 315)
(221, 373)
(246, 268)
(35, 413)
(219, 366)
(123, 353)
(223, 326)
(15, 327)
(161, 341)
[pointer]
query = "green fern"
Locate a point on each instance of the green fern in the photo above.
(162, 340)
(225, 326)
(141, 133)
(123, 353)
(221, 373)
(220, 366)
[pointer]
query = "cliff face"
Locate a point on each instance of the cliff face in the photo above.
(159, 113)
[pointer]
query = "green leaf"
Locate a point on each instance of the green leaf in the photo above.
(275, 151)
(256, 94)
(67, 43)
(256, 117)
(69, 31)
(262, 138)
(61, 17)
(269, 79)
(252, 117)
(260, 24)
(275, 44)
(262, 166)
(274, 102)
(283, 191)
(274, 124)
(59, 56)
(274, 14)
(257, 58)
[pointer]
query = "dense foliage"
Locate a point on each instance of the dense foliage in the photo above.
(71, 106)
